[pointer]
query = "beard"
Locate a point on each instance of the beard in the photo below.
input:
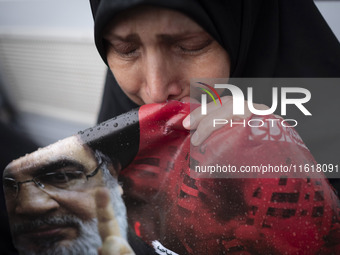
(88, 240)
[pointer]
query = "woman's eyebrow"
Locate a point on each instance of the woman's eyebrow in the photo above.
(168, 37)
(180, 36)
(127, 38)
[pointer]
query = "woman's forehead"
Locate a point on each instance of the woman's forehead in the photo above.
(148, 18)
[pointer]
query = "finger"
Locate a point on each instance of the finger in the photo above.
(107, 223)
(217, 119)
(210, 124)
(115, 245)
(196, 116)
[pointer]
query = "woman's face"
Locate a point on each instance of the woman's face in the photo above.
(154, 52)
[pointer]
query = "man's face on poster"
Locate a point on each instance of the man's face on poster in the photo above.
(49, 198)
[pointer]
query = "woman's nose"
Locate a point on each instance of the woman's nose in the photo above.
(32, 200)
(162, 78)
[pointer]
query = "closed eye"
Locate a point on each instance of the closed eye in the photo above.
(193, 46)
(125, 48)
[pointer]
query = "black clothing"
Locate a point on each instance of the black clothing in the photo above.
(114, 101)
(138, 245)
(264, 38)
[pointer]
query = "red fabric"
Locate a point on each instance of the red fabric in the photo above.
(192, 215)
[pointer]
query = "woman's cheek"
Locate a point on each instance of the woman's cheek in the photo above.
(128, 77)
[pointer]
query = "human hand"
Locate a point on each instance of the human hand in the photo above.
(203, 124)
(113, 242)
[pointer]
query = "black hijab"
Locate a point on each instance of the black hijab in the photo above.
(264, 38)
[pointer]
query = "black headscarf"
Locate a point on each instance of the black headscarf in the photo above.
(264, 38)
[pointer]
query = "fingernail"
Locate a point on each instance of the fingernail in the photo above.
(195, 139)
(186, 122)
